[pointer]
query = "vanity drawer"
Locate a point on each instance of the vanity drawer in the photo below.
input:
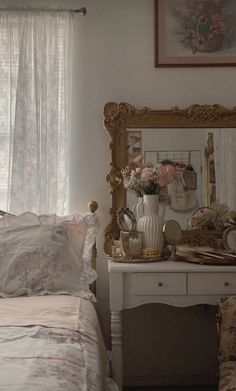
(160, 283)
(211, 283)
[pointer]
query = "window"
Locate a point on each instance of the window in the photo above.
(34, 97)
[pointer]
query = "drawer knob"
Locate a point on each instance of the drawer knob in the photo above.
(160, 283)
(226, 284)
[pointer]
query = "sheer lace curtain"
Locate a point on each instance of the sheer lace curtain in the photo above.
(35, 76)
(225, 163)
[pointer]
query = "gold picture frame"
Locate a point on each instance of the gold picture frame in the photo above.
(196, 33)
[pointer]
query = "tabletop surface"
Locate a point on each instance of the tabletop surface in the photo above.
(166, 266)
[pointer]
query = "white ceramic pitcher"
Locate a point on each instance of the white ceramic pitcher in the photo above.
(137, 208)
(151, 222)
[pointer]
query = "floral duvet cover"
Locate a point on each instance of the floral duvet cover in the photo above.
(41, 357)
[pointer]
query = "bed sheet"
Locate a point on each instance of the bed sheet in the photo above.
(51, 343)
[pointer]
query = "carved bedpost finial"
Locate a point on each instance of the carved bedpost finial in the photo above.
(92, 206)
(209, 150)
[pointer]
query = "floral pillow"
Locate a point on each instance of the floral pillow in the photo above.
(47, 255)
(227, 329)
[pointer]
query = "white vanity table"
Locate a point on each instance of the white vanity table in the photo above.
(179, 284)
(172, 283)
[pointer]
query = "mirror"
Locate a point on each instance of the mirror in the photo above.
(229, 239)
(173, 235)
(179, 135)
(172, 231)
(125, 219)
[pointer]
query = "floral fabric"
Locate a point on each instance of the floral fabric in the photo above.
(227, 373)
(227, 329)
(36, 356)
(227, 344)
(38, 258)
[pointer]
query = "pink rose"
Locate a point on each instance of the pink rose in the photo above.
(163, 170)
(163, 181)
(170, 169)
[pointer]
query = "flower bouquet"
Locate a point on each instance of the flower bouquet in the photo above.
(146, 178)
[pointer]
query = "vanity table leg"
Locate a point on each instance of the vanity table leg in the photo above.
(116, 342)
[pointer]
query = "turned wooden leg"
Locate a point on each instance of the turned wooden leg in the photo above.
(116, 342)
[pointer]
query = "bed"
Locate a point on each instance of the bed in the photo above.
(50, 338)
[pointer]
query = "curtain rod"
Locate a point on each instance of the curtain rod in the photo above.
(82, 11)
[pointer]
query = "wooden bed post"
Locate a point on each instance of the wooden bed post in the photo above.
(92, 207)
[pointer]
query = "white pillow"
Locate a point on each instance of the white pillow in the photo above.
(47, 255)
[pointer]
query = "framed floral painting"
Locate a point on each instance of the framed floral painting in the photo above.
(134, 145)
(195, 33)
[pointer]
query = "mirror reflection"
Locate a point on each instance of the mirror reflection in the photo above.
(184, 150)
(200, 163)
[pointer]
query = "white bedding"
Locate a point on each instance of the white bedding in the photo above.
(51, 343)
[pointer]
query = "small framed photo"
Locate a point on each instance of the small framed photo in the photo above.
(195, 33)
(134, 145)
(190, 179)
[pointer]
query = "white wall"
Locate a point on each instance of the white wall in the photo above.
(115, 62)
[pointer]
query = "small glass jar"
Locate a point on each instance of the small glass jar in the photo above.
(116, 249)
(131, 243)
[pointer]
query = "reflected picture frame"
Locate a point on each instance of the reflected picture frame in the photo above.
(196, 33)
(190, 179)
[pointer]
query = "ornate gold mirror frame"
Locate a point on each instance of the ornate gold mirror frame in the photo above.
(118, 117)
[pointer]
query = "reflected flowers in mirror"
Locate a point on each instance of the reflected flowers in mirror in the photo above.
(146, 178)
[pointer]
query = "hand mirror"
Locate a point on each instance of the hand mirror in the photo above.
(173, 235)
(126, 219)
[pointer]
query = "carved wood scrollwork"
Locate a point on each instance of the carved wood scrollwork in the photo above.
(114, 178)
(118, 117)
(116, 120)
(206, 113)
